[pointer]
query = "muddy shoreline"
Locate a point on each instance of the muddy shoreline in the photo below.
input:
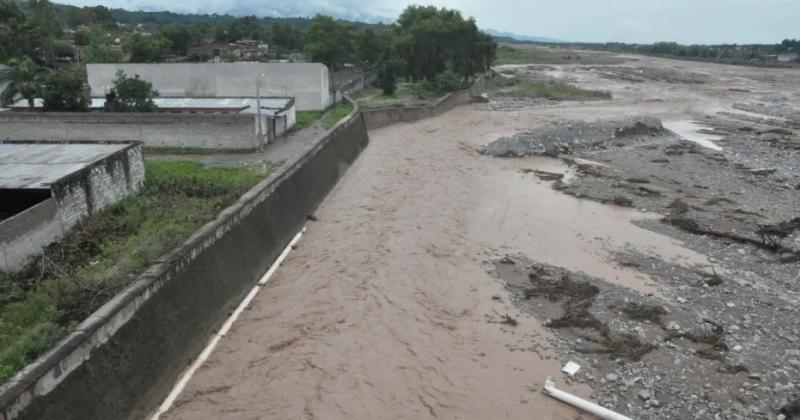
(722, 339)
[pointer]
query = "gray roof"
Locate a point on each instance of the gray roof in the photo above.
(32, 165)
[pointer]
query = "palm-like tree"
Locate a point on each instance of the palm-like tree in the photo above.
(23, 78)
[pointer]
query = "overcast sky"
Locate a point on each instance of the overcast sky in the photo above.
(685, 21)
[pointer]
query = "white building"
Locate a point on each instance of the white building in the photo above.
(308, 83)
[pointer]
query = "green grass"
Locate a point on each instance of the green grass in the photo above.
(336, 114)
(507, 54)
(554, 91)
(407, 94)
(190, 151)
(305, 119)
(104, 253)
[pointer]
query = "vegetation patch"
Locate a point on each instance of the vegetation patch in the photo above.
(190, 151)
(327, 119)
(550, 90)
(105, 253)
(336, 114)
(507, 54)
(406, 94)
(304, 119)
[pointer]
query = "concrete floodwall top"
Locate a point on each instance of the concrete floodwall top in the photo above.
(308, 83)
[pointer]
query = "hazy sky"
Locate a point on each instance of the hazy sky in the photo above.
(685, 21)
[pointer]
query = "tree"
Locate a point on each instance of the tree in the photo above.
(103, 53)
(75, 16)
(132, 94)
(23, 78)
(284, 38)
(16, 37)
(390, 68)
(433, 41)
(102, 47)
(43, 28)
(65, 90)
(82, 39)
(329, 42)
(180, 37)
(230, 57)
(370, 45)
(62, 49)
(247, 27)
(145, 49)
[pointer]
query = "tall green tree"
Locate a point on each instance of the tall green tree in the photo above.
(22, 78)
(330, 42)
(146, 49)
(284, 38)
(65, 90)
(180, 37)
(434, 40)
(372, 45)
(102, 48)
(390, 67)
(15, 36)
(43, 29)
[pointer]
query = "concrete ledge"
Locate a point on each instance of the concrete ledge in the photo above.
(121, 361)
(381, 117)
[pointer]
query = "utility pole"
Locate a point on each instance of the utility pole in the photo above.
(258, 111)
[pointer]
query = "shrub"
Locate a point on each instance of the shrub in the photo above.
(132, 94)
(65, 90)
(444, 82)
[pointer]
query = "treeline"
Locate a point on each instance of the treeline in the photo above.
(438, 47)
(728, 53)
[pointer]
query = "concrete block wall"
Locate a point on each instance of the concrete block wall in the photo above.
(205, 131)
(99, 185)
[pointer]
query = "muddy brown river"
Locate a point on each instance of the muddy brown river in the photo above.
(386, 309)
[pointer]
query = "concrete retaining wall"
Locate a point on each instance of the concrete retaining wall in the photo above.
(207, 131)
(25, 233)
(122, 361)
(381, 117)
(308, 83)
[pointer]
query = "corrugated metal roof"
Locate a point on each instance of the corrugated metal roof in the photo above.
(28, 165)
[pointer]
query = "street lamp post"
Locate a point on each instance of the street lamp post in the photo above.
(258, 107)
